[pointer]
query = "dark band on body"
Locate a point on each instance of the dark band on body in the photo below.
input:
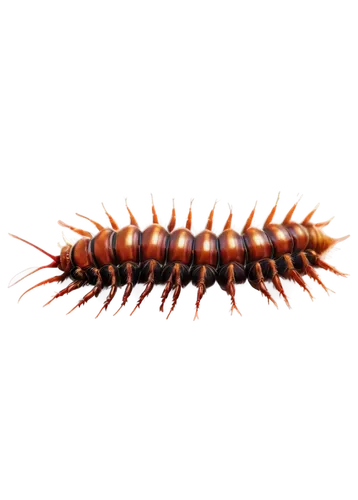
(91, 252)
(113, 247)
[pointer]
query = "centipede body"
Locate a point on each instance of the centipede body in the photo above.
(174, 257)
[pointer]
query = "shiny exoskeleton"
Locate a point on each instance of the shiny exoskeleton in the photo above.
(172, 257)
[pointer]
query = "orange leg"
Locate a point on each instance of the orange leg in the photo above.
(325, 223)
(201, 292)
(154, 209)
(278, 285)
(327, 267)
(148, 286)
(142, 297)
(51, 280)
(272, 213)
(70, 288)
(230, 218)
(234, 307)
(113, 290)
(176, 294)
(93, 293)
(190, 215)
(309, 216)
(174, 281)
(293, 275)
(249, 220)
(81, 232)
(167, 289)
(91, 220)
(29, 271)
(277, 282)
(172, 221)
(127, 292)
(288, 217)
(262, 288)
(209, 224)
(111, 220)
(128, 289)
(230, 288)
(259, 283)
(314, 276)
(130, 213)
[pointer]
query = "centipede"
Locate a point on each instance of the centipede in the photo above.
(124, 257)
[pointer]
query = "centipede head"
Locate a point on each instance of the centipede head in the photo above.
(65, 259)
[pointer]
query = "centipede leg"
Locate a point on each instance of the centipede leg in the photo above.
(201, 292)
(169, 284)
(274, 276)
(272, 213)
(229, 220)
(26, 273)
(81, 232)
(93, 293)
(312, 274)
(130, 282)
(230, 288)
(209, 224)
(190, 215)
(231, 291)
(257, 281)
(249, 220)
(75, 285)
(51, 280)
(113, 289)
(127, 292)
(132, 218)
(203, 277)
(149, 284)
(308, 217)
(167, 289)
(286, 269)
(91, 220)
(309, 270)
(327, 267)
(148, 288)
(291, 212)
(111, 220)
(154, 209)
(142, 298)
(176, 294)
(172, 221)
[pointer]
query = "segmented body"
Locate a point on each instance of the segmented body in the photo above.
(175, 257)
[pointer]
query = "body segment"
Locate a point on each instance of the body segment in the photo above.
(126, 244)
(232, 247)
(257, 244)
(154, 243)
(205, 249)
(180, 246)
